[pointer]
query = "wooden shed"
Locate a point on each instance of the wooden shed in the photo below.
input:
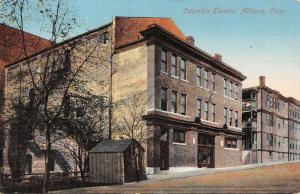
(116, 162)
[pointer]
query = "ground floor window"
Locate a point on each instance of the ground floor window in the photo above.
(28, 164)
(178, 136)
(230, 143)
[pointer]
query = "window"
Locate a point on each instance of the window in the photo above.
(183, 69)
(230, 143)
(51, 164)
(31, 96)
(206, 79)
(236, 91)
(67, 106)
(231, 90)
(104, 38)
(270, 139)
(213, 112)
(174, 65)
(164, 99)
(230, 117)
(198, 76)
(28, 164)
(174, 102)
(225, 87)
(213, 82)
(206, 110)
(163, 61)
(198, 108)
(236, 118)
(183, 104)
(225, 115)
(67, 61)
(178, 136)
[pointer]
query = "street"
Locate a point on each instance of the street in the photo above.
(280, 178)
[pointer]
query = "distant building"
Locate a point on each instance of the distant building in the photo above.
(11, 50)
(271, 125)
(194, 111)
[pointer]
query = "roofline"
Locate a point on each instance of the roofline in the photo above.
(59, 44)
(287, 99)
(157, 28)
(4, 24)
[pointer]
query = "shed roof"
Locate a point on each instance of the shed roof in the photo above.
(112, 146)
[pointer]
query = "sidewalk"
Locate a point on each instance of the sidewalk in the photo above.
(183, 172)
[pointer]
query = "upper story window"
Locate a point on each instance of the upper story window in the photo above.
(206, 110)
(230, 117)
(183, 104)
(236, 91)
(104, 38)
(183, 69)
(213, 82)
(270, 139)
(174, 102)
(163, 61)
(213, 112)
(206, 79)
(198, 108)
(225, 87)
(174, 65)
(66, 60)
(178, 136)
(164, 99)
(230, 89)
(225, 115)
(198, 76)
(236, 118)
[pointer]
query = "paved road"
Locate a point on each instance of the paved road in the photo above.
(280, 178)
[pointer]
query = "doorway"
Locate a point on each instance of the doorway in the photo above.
(206, 151)
(164, 149)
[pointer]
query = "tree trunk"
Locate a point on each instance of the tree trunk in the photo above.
(47, 151)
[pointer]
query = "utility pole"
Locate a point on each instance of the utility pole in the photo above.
(110, 111)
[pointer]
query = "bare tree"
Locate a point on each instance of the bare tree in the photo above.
(50, 76)
(128, 116)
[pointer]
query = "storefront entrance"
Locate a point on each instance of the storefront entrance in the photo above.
(206, 151)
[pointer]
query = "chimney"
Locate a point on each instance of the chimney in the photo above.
(262, 81)
(218, 57)
(190, 40)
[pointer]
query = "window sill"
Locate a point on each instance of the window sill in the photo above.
(164, 73)
(184, 80)
(230, 127)
(176, 143)
(163, 111)
(203, 88)
(233, 149)
(231, 98)
(210, 122)
(175, 77)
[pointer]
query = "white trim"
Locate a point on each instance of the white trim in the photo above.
(153, 109)
(179, 143)
(231, 98)
(184, 80)
(210, 121)
(204, 88)
(233, 149)
(165, 73)
(231, 127)
(176, 77)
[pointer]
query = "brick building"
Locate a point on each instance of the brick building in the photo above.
(194, 108)
(271, 125)
(11, 49)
